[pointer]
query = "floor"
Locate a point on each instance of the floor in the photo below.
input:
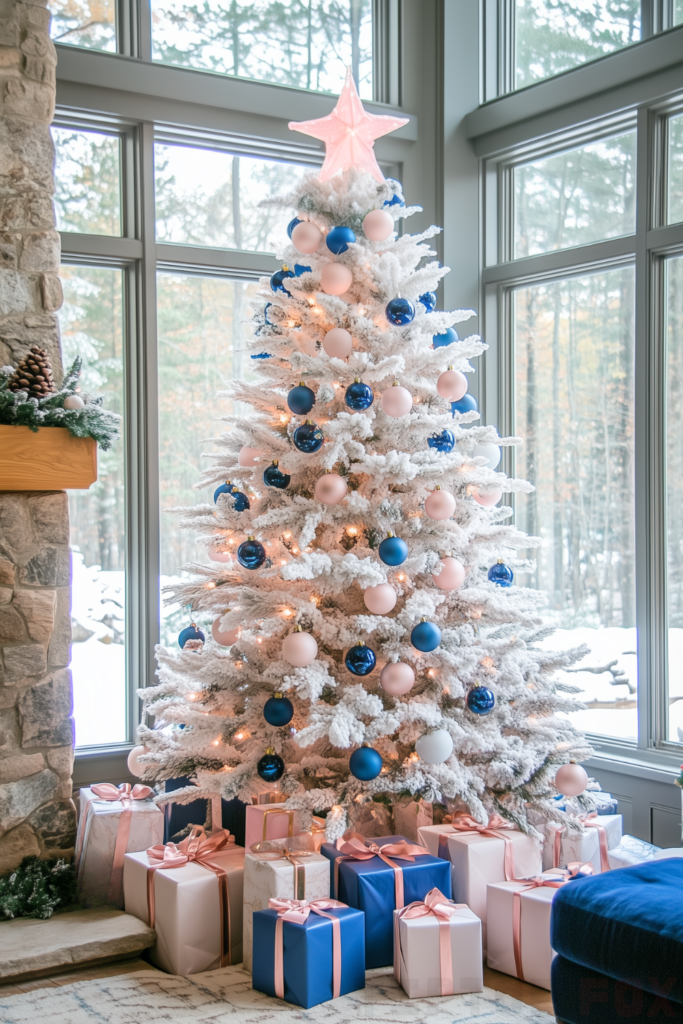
(537, 997)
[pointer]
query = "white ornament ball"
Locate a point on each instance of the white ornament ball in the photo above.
(451, 576)
(490, 452)
(396, 678)
(440, 505)
(487, 500)
(380, 599)
(571, 779)
(397, 401)
(74, 402)
(306, 237)
(335, 278)
(338, 343)
(226, 638)
(435, 747)
(249, 456)
(330, 489)
(452, 384)
(216, 555)
(378, 225)
(299, 649)
(133, 765)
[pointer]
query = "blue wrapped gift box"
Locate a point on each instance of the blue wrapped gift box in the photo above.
(307, 955)
(369, 886)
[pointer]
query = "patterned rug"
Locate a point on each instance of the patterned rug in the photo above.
(226, 997)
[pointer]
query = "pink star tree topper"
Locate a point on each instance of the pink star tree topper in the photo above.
(349, 133)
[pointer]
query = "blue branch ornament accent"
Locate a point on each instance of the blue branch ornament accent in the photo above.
(360, 660)
(359, 396)
(428, 300)
(301, 399)
(251, 553)
(270, 767)
(426, 636)
(240, 501)
(339, 239)
(501, 574)
(226, 488)
(365, 764)
(393, 550)
(278, 710)
(447, 338)
(274, 477)
(443, 442)
(276, 281)
(191, 632)
(400, 312)
(308, 438)
(292, 224)
(481, 700)
(467, 403)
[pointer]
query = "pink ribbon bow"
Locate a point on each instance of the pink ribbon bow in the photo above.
(297, 912)
(354, 847)
(197, 848)
(126, 794)
(589, 822)
(443, 909)
(464, 822)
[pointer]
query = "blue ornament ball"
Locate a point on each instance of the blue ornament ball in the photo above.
(226, 488)
(393, 551)
(360, 660)
(426, 636)
(270, 767)
(467, 403)
(443, 442)
(292, 224)
(251, 553)
(274, 477)
(300, 269)
(447, 338)
(276, 281)
(481, 700)
(365, 764)
(240, 501)
(190, 633)
(261, 355)
(428, 300)
(301, 399)
(339, 239)
(501, 574)
(359, 396)
(308, 438)
(400, 312)
(278, 710)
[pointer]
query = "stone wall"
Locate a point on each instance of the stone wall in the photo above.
(37, 815)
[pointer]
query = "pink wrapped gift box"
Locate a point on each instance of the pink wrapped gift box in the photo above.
(270, 821)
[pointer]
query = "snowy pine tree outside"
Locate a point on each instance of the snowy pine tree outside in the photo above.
(320, 559)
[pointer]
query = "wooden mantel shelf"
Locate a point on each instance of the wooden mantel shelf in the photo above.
(50, 460)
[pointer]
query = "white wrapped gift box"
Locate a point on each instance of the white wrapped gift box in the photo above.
(417, 954)
(536, 954)
(632, 851)
(582, 847)
(268, 875)
(187, 910)
(100, 880)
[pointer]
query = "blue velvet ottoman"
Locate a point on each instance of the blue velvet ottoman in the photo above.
(619, 940)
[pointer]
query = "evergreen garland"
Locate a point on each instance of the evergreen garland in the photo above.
(37, 888)
(18, 408)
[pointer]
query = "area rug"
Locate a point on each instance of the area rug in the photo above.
(226, 997)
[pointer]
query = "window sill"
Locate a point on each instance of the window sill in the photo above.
(101, 764)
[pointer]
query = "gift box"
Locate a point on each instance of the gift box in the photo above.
(178, 817)
(480, 855)
(409, 816)
(283, 874)
(563, 846)
(113, 821)
(518, 915)
(378, 885)
(632, 851)
(433, 960)
(270, 821)
(193, 901)
(308, 952)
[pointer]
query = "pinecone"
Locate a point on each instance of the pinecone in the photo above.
(33, 374)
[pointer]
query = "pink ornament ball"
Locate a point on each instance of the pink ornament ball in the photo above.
(134, 767)
(396, 678)
(487, 500)
(216, 555)
(397, 401)
(226, 638)
(571, 779)
(330, 489)
(378, 225)
(452, 384)
(380, 599)
(335, 278)
(440, 505)
(338, 343)
(451, 576)
(306, 237)
(299, 649)
(249, 456)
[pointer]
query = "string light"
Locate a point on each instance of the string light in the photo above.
(287, 612)
(352, 531)
(216, 743)
(238, 664)
(311, 301)
(191, 696)
(431, 673)
(401, 576)
(488, 663)
(231, 541)
(295, 551)
(259, 640)
(210, 585)
(283, 561)
(239, 735)
(286, 535)
(284, 418)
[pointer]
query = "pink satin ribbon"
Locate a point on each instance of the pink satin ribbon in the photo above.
(443, 910)
(353, 847)
(197, 848)
(586, 819)
(126, 794)
(463, 822)
(297, 911)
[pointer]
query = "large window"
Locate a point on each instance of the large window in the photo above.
(674, 491)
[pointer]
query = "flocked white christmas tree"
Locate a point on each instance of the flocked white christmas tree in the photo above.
(363, 592)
